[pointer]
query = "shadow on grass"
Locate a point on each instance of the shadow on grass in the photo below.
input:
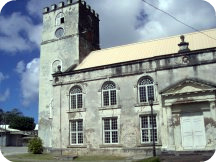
(152, 159)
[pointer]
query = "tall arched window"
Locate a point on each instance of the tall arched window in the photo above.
(76, 98)
(146, 89)
(109, 94)
(60, 19)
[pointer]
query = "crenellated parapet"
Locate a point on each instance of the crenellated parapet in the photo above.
(62, 4)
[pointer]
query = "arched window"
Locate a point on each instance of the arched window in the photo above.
(60, 19)
(109, 94)
(55, 66)
(146, 89)
(76, 98)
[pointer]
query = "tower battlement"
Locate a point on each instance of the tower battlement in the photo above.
(62, 4)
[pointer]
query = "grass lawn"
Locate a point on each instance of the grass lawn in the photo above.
(26, 157)
(95, 158)
(49, 157)
(152, 159)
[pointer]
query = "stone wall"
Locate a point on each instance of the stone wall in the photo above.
(164, 70)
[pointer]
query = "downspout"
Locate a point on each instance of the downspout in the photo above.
(60, 122)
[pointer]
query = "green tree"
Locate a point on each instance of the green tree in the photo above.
(1, 116)
(35, 146)
(22, 123)
(9, 115)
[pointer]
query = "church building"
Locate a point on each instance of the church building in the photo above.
(97, 101)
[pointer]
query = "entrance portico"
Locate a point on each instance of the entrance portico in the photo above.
(188, 106)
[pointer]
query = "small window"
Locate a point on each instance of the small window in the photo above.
(55, 66)
(76, 98)
(60, 19)
(76, 132)
(109, 94)
(146, 129)
(110, 129)
(146, 89)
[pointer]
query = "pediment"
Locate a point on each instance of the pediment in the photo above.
(188, 86)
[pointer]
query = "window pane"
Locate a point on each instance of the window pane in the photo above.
(144, 122)
(106, 124)
(106, 98)
(107, 137)
(76, 90)
(114, 137)
(73, 101)
(79, 101)
(113, 97)
(150, 91)
(146, 81)
(80, 137)
(145, 136)
(142, 93)
(108, 85)
(73, 138)
(114, 124)
(154, 121)
(80, 125)
(73, 126)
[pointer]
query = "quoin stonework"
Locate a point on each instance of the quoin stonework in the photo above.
(96, 101)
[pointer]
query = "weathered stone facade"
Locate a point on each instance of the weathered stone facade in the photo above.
(184, 87)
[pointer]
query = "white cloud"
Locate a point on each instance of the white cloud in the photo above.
(35, 7)
(120, 19)
(126, 21)
(20, 67)
(5, 95)
(18, 33)
(29, 80)
(3, 77)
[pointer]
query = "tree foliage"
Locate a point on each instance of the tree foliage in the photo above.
(22, 123)
(16, 120)
(35, 146)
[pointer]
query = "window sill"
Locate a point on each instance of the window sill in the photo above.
(76, 110)
(77, 146)
(145, 104)
(110, 145)
(110, 107)
(148, 145)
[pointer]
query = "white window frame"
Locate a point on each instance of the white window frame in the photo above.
(149, 129)
(110, 130)
(109, 94)
(76, 98)
(76, 132)
(146, 89)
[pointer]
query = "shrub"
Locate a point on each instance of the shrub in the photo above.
(35, 146)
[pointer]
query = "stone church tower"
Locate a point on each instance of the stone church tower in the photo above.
(70, 33)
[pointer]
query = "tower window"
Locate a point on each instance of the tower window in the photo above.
(60, 19)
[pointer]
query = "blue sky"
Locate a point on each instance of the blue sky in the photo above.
(122, 22)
